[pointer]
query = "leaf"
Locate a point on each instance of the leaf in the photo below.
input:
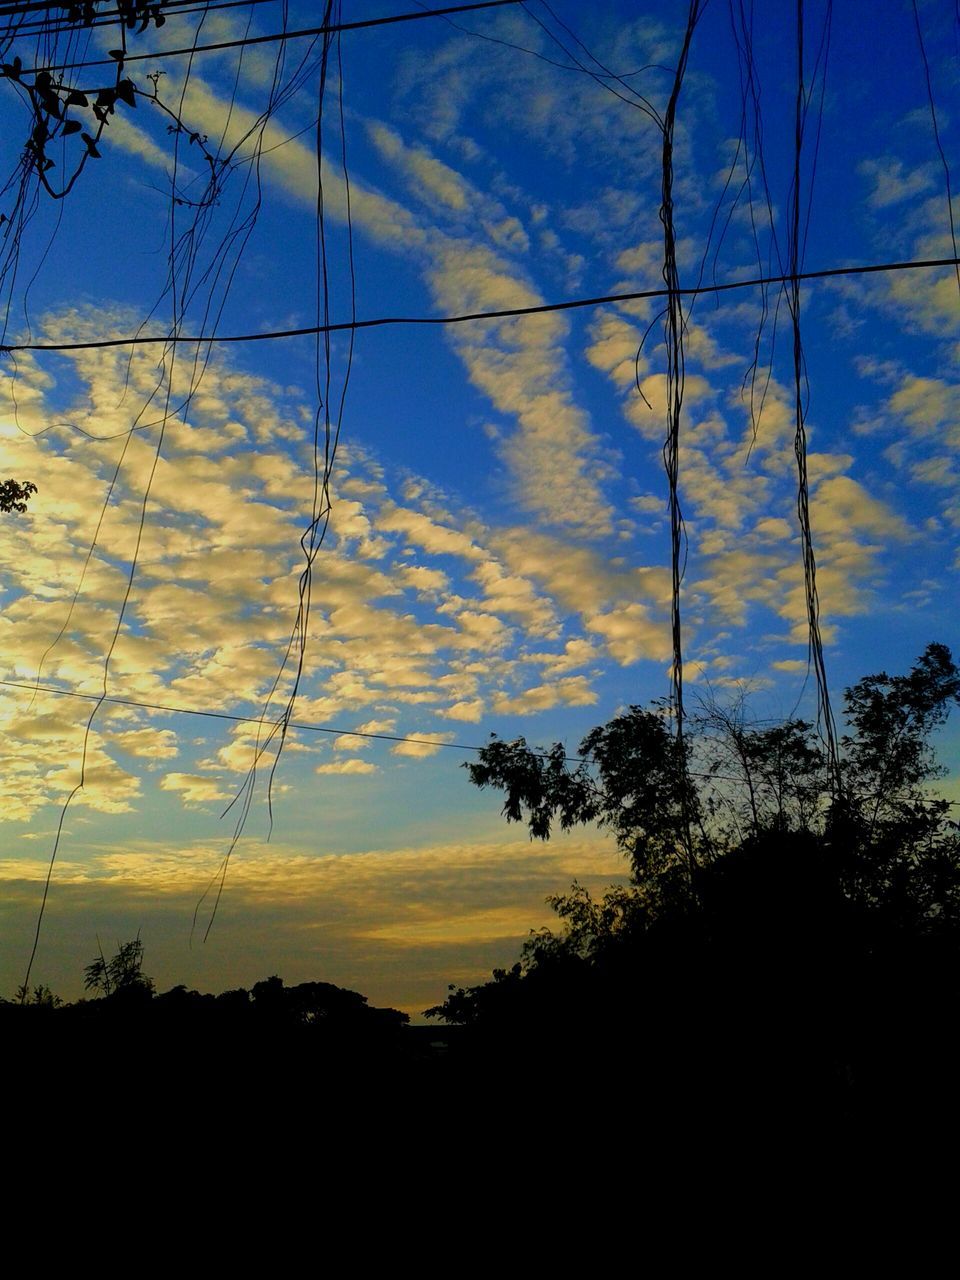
(127, 93)
(117, 54)
(92, 151)
(50, 103)
(77, 99)
(71, 126)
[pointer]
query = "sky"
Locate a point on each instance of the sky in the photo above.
(497, 558)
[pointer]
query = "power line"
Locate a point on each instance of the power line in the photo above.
(61, 24)
(506, 313)
(314, 728)
(277, 36)
(45, 6)
(225, 715)
(169, 9)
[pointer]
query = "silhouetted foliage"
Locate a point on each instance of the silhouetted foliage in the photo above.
(122, 974)
(41, 997)
(15, 494)
(272, 1027)
(631, 783)
(810, 959)
(60, 108)
(745, 784)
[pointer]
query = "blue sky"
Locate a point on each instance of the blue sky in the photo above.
(498, 553)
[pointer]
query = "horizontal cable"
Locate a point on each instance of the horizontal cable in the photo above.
(316, 728)
(60, 24)
(506, 313)
(225, 715)
(170, 8)
(276, 36)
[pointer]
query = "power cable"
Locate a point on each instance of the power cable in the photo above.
(257, 720)
(570, 304)
(275, 37)
(45, 6)
(305, 727)
(61, 25)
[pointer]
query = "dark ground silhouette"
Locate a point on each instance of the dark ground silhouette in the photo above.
(802, 980)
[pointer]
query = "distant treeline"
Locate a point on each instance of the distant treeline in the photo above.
(309, 1013)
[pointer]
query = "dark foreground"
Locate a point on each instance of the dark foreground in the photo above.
(720, 1057)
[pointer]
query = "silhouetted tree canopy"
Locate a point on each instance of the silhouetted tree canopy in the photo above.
(15, 494)
(807, 955)
(742, 784)
(122, 974)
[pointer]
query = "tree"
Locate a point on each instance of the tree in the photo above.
(806, 966)
(631, 780)
(781, 859)
(745, 784)
(122, 975)
(41, 997)
(14, 495)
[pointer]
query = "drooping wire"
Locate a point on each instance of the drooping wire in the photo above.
(327, 427)
(542, 57)
(752, 122)
(673, 341)
(825, 715)
(604, 75)
(936, 131)
(168, 365)
(185, 276)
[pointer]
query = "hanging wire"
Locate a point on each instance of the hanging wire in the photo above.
(673, 340)
(825, 716)
(936, 132)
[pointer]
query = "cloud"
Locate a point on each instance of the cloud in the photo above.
(428, 744)
(349, 768)
(520, 365)
(632, 634)
(892, 183)
(209, 618)
(576, 653)
(349, 742)
(194, 789)
(471, 712)
(148, 744)
(930, 406)
(426, 533)
(138, 143)
(570, 691)
(429, 177)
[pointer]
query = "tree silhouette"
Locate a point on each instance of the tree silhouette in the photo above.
(14, 495)
(747, 784)
(813, 953)
(122, 974)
